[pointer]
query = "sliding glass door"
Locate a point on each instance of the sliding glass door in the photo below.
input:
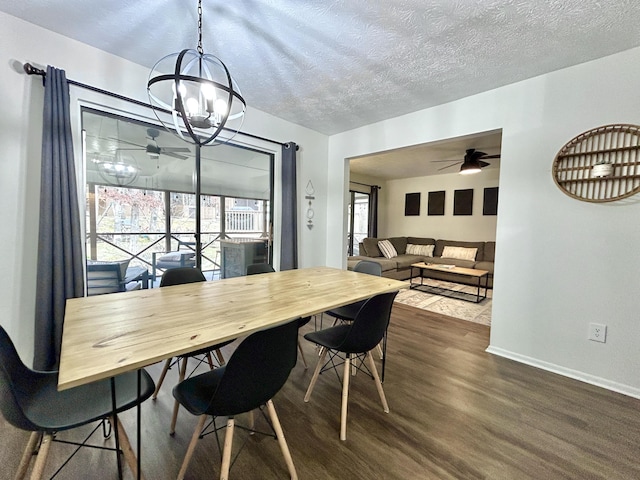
(141, 193)
(358, 218)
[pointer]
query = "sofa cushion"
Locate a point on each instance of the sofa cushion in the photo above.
(452, 261)
(387, 249)
(422, 250)
(371, 247)
(460, 253)
(387, 264)
(400, 244)
(406, 260)
(421, 241)
(440, 244)
(489, 252)
(488, 266)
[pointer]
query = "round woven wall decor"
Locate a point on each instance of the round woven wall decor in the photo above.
(601, 165)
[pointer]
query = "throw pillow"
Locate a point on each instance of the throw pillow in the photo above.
(461, 253)
(387, 249)
(422, 250)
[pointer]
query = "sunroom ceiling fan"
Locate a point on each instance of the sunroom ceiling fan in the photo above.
(472, 162)
(154, 150)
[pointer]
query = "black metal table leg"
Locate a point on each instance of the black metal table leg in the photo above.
(138, 428)
(114, 407)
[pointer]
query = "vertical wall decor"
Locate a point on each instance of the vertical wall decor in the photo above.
(412, 204)
(309, 197)
(463, 202)
(490, 203)
(436, 203)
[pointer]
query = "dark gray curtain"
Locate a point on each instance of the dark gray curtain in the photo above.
(60, 274)
(289, 233)
(373, 212)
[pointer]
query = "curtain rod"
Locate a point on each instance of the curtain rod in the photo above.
(366, 184)
(31, 70)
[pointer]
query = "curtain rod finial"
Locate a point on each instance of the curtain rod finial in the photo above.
(31, 70)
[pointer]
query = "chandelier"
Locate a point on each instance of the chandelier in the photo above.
(197, 89)
(119, 170)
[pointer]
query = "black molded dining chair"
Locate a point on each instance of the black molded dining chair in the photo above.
(30, 400)
(181, 276)
(347, 313)
(256, 371)
(257, 268)
(353, 342)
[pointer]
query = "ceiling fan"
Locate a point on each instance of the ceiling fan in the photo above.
(154, 150)
(472, 163)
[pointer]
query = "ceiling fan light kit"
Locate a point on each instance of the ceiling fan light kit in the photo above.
(469, 168)
(472, 162)
(204, 100)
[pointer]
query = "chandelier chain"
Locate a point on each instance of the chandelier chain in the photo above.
(200, 50)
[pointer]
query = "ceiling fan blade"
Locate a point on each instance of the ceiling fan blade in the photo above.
(175, 149)
(174, 155)
(128, 143)
(449, 166)
(491, 156)
(483, 164)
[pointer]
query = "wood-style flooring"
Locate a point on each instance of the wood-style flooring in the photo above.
(456, 412)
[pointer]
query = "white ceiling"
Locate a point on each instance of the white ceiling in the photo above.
(427, 159)
(333, 65)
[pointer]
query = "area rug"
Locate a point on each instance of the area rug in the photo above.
(453, 307)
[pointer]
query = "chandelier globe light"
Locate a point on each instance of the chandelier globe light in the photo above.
(118, 170)
(199, 93)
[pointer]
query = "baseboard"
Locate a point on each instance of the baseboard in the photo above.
(567, 372)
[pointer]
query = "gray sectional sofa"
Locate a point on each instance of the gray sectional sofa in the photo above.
(399, 267)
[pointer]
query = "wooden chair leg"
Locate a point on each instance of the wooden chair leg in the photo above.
(127, 451)
(167, 363)
(210, 361)
(226, 450)
(41, 459)
(379, 348)
(221, 361)
(176, 404)
(192, 446)
(304, 360)
(314, 379)
(281, 440)
(374, 372)
(345, 398)
(354, 369)
(28, 454)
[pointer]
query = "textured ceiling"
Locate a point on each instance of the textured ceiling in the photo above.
(333, 65)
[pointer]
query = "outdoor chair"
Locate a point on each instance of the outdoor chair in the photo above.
(351, 344)
(30, 400)
(179, 276)
(108, 277)
(256, 371)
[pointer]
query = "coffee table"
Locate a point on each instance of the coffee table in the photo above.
(425, 268)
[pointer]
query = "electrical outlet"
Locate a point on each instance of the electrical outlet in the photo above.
(597, 332)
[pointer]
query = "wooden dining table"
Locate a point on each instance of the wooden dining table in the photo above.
(106, 335)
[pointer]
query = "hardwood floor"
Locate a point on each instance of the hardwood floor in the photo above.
(457, 412)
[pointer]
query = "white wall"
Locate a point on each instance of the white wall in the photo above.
(20, 139)
(560, 263)
(476, 227)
